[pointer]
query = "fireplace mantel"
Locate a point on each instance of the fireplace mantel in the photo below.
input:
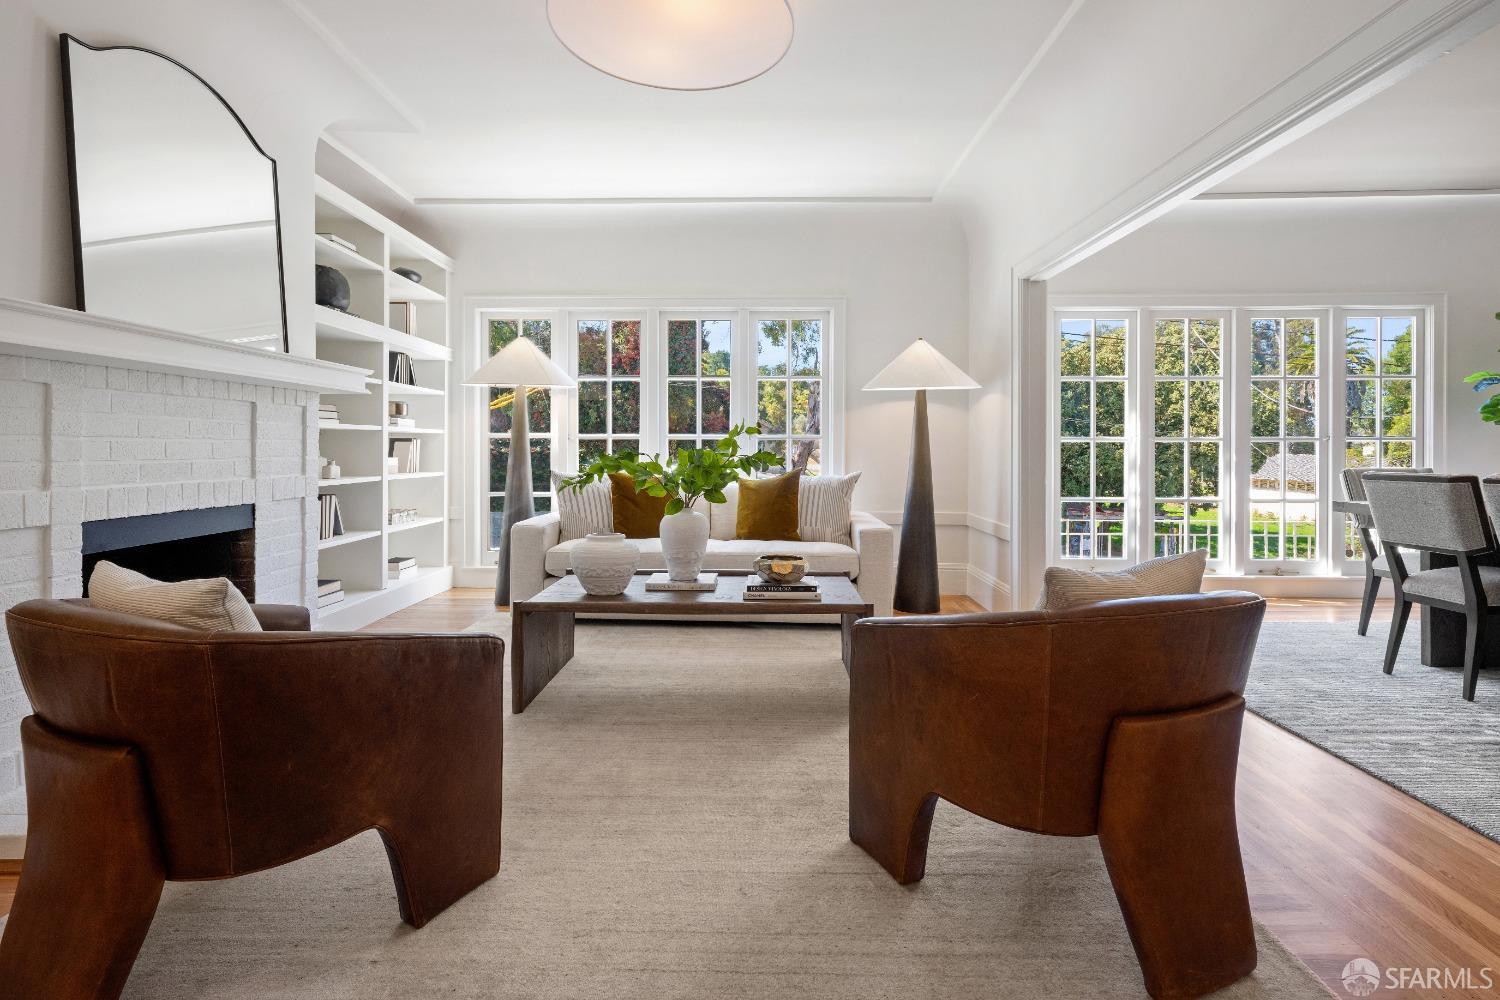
(47, 331)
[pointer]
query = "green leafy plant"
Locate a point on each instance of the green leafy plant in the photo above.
(691, 473)
(1489, 410)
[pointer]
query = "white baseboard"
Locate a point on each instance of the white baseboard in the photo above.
(989, 592)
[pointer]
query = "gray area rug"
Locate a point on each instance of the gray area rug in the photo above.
(675, 827)
(1411, 729)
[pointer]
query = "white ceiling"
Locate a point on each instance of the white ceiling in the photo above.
(877, 98)
(1437, 129)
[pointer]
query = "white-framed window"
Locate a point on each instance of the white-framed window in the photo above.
(652, 376)
(1238, 420)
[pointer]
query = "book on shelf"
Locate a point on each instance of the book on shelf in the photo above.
(401, 369)
(403, 423)
(331, 521)
(401, 562)
(326, 587)
(663, 582)
(404, 318)
(400, 574)
(408, 454)
(400, 567)
(328, 413)
(324, 600)
(336, 238)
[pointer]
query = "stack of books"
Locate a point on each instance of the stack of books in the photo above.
(408, 454)
(332, 522)
(400, 567)
(328, 413)
(805, 589)
(330, 592)
(401, 369)
(403, 421)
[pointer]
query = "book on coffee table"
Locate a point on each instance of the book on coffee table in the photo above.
(803, 590)
(705, 582)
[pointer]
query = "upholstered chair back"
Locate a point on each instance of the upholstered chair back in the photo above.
(1490, 490)
(1429, 511)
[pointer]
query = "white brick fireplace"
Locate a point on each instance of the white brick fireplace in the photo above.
(122, 435)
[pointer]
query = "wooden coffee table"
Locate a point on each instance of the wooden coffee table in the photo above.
(541, 637)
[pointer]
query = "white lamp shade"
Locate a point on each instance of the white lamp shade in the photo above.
(921, 366)
(521, 363)
(675, 44)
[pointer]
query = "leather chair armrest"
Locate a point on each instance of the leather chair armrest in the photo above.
(282, 617)
(529, 541)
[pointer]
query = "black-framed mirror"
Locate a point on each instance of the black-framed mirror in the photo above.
(176, 220)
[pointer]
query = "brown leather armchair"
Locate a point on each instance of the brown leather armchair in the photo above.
(1121, 720)
(159, 752)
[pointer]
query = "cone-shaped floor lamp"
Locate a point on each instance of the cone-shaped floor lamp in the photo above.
(521, 365)
(920, 368)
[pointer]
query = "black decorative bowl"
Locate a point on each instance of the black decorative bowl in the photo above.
(332, 288)
(409, 274)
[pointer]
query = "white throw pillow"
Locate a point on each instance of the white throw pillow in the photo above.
(584, 512)
(1076, 588)
(722, 516)
(824, 506)
(213, 605)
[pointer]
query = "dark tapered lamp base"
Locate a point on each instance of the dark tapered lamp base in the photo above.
(916, 564)
(519, 505)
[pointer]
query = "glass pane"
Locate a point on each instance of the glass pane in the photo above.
(502, 332)
(1301, 470)
(1396, 454)
(500, 415)
(592, 352)
(1265, 408)
(1169, 470)
(1073, 356)
(1076, 528)
(673, 447)
(807, 347)
(777, 448)
(1301, 408)
(1360, 338)
(716, 407)
(1109, 470)
(771, 412)
(1360, 455)
(1203, 528)
(593, 406)
(1301, 531)
(807, 456)
(625, 338)
(807, 407)
(539, 332)
(499, 456)
(682, 347)
(682, 407)
(1265, 347)
(1204, 346)
(1301, 347)
(1109, 347)
(623, 445)
(1203, 409)
(1109, 530)
(1109, 409)
(1265, 470)
(538, 411)
(589, 452)
(1167, 529)
(1265, 531)
(1074, 400)
(1169, 347)
(1169, 409)
(718, 342)
(1396, 345)
(1396, 407)
(541, 465)
(1073, 463)
(1203, 469)
(1359, 407)
(497, 521)
(626, 407)
(771, 347)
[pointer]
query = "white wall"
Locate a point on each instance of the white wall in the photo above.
(1384, 246)
(902, 269)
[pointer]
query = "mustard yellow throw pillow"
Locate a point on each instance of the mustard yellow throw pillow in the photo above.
(768, 508)
(637, 515)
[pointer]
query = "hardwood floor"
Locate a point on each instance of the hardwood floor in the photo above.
(1340, 865)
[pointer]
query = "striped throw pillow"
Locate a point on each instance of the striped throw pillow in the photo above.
(824, 505)
(1076, 588)
(584, 512)
(213, 605)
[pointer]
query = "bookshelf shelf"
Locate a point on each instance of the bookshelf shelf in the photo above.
(367, 336)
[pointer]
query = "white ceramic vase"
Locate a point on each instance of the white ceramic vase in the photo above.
(684, 542)
(604, 564)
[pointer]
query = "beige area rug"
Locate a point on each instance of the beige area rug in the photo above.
(675, 827)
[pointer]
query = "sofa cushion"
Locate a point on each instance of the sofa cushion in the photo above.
(637, 515)
(768, 508)
(734, 554)
(585, 511)
(213, 605)
(825, 505)
(1074, 588)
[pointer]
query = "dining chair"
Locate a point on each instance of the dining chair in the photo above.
(1376, 567)
(1444, 515)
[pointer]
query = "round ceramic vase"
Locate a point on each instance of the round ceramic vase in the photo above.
(684, 542)
(604, 564)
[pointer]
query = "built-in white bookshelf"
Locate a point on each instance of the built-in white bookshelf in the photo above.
(380, 301)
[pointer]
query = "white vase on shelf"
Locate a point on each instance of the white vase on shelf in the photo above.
(684, 542)
(604, 563)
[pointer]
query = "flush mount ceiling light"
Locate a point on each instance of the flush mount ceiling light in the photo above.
(675, 44)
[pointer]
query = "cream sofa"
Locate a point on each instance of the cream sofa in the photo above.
(539, 556)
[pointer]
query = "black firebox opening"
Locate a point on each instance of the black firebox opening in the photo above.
(182, 545)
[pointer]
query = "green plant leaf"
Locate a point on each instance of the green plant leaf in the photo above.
(716, 496)
(1490, 411)
(675, 506)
